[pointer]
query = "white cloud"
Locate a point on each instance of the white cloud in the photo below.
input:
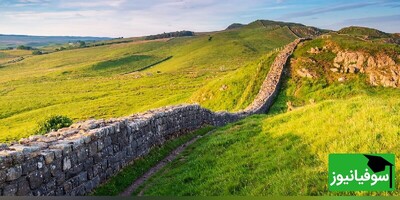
(92, 4)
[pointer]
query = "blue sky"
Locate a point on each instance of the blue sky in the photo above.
(115, 18)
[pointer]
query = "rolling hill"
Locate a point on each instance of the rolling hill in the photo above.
(331, 110)
(340, 93)
(12, 41)
(120, 79)
(370, 34)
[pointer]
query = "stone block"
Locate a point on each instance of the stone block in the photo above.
(35, 179)
(14, 173)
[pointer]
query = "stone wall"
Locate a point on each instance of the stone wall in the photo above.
(74, 160)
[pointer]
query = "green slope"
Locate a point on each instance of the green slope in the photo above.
(108, 81)
(286, 153)
(370, 34)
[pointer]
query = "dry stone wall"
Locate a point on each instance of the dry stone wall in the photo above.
(74, 160)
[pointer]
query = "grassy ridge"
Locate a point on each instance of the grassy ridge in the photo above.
(236, 90)
(286, 153)
(97, 82)
(300, 90)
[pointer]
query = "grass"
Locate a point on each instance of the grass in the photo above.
(300, 91)
(9, 55)
(285, 154)
(98, 82)
(125, 178)
(237, 89)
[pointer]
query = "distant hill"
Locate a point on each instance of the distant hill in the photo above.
(370, 34)
(234, 26)
(38, 41)
(297, 29)
(363, 31)
(170, 35)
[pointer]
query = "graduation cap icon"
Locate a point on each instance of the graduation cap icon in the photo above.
(378, 164)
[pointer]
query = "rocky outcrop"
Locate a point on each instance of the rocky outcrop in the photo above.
(74, 160)
(316, 50)
(381, 69)
(305, 73)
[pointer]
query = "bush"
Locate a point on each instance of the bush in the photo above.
(36, 52)
(53, 123)
(22, 47)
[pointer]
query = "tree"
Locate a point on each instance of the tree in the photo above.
(22, 47)
(82, 43)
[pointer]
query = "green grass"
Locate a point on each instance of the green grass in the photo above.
(126, 64)
(9, 55)
(363, 31)
(285, 154)
(98, 82)
(300, 90)
(125, 178)
(236, 90)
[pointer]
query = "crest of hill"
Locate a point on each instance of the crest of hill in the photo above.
(235, 26)
(297, 29)
(364, 31)
(370, 34)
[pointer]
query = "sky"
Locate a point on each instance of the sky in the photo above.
(128, 18)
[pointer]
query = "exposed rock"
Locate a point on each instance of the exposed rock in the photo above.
(382, 69)
(342, 79)
(313, 50)
(290, 106)
(223, 88)
(334, 69)
(305, 73)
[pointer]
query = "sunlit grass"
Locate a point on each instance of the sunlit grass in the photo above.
(104, 82)
(285, 154)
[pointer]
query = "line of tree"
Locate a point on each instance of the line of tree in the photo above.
(23, 47)
(170, 35)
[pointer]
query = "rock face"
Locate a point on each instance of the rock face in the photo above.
(74, 160)
(381, 69)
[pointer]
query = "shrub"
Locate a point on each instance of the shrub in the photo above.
(53, 123)
(37, 52)
(22, 47)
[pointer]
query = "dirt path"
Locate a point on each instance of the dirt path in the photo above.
(172, 156)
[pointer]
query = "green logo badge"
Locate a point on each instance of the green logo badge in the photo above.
(361, 172)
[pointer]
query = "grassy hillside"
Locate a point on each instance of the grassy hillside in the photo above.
(109, 81)
(286, 153)
(370, 34)
(40, 41)
(326, 85)
(7, 56)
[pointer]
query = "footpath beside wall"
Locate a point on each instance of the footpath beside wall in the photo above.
(74, 160)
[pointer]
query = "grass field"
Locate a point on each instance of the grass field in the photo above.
(103, 81)
(123, 179)
(286, 153)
